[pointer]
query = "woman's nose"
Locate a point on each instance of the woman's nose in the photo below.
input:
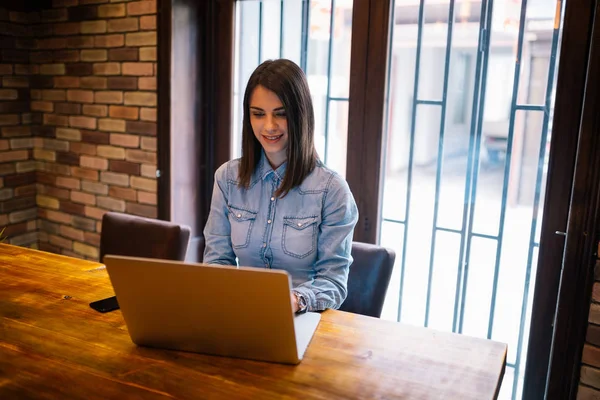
(271, 123)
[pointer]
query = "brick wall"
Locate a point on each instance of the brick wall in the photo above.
(17, 167)
(589, 388)
(92, 69)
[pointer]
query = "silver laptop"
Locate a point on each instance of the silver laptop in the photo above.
(220, 310)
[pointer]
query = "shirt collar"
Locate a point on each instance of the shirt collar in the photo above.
(265, 169)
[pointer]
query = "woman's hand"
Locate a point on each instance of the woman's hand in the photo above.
(294, 299)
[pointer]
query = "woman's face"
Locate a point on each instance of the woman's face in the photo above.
(269, 123)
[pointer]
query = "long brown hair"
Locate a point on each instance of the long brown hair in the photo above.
(288, 82)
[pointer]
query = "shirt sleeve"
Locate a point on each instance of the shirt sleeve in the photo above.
(217, 231)
(328, 289)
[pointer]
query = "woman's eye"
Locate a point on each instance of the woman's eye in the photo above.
(257, 114)
(280, 115)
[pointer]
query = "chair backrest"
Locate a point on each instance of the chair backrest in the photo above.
(130, 235)
(369, 277)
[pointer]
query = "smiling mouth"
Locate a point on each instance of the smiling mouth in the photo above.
(273, 138)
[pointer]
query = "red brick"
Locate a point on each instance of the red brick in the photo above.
(81, 96)
(72, 208)
(111, 11)
(66, 56)
(10, 119)
(146, 184)
(84, 173)
(95, 110)
(140, 98)
(94, 163)
(92, 238)
(147, 84)
(6, 69)
(68, 183)
(17, 131)
(123, 83)
(113, 178)
(12, 94)
(66, 28)
(110, 41)
(60, 241)
(59, 14)
(83, 148)
(124, 140)
(124, 112)
(142, 128)
(8, 156)
(109, 68)
(93, 27)
(83, 122)
(56, 120)
(141, 7)
(22, 69)
(68, 134)
(123, 25)
(89, 251)
(122, 193)
(94, 187)
(52, 43)
(123, 54)
(94, 55)
(84, 198)
(54, 95)
(111, 125)
(148, 54)
(80, 42)
(148, 114)
(67, 158)
(67, 108)
(66, 82)
(148, 22)
(109, 97)
(79, 69)
(21, 81)
(138, 69)
(44, 106)
(149, 171)
(52, 69)
(149, 143)
(111, 152)
(95, 213)
(71, 233)
(82, 2)
(97, 137)
(141, 210)
(93, 82)
(125, 167)
(111, 204)
(147, 198)
(140, 156)
(141, 39)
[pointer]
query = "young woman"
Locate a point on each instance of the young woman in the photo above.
(278, 206)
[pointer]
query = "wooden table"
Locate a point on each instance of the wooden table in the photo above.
(53, 345)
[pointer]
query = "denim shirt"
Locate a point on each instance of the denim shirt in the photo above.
(308, 232)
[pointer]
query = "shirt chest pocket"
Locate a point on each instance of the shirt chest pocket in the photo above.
(241, 222)
(299, 238)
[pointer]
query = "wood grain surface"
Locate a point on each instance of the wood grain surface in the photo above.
(53, 345)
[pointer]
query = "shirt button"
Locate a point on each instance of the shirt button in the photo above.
(269, 221)
(239, 215)
(264, 245)
(299, 224)
(272, 198)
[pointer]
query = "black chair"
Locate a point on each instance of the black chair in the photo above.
(133, 236)
(369, 278)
